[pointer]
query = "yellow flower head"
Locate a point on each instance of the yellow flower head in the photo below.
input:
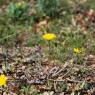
(49, 36)
(77, 50)
(3, 80)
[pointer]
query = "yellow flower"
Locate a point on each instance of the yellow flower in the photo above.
(49, 36)
(3, 80)
(77, 50)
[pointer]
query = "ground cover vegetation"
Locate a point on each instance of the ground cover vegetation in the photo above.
(47, 47)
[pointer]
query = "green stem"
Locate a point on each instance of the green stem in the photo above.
(49, 48)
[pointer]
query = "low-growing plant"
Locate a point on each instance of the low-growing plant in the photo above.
(18, 11)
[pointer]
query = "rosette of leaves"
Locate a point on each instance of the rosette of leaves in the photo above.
(18, 11)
